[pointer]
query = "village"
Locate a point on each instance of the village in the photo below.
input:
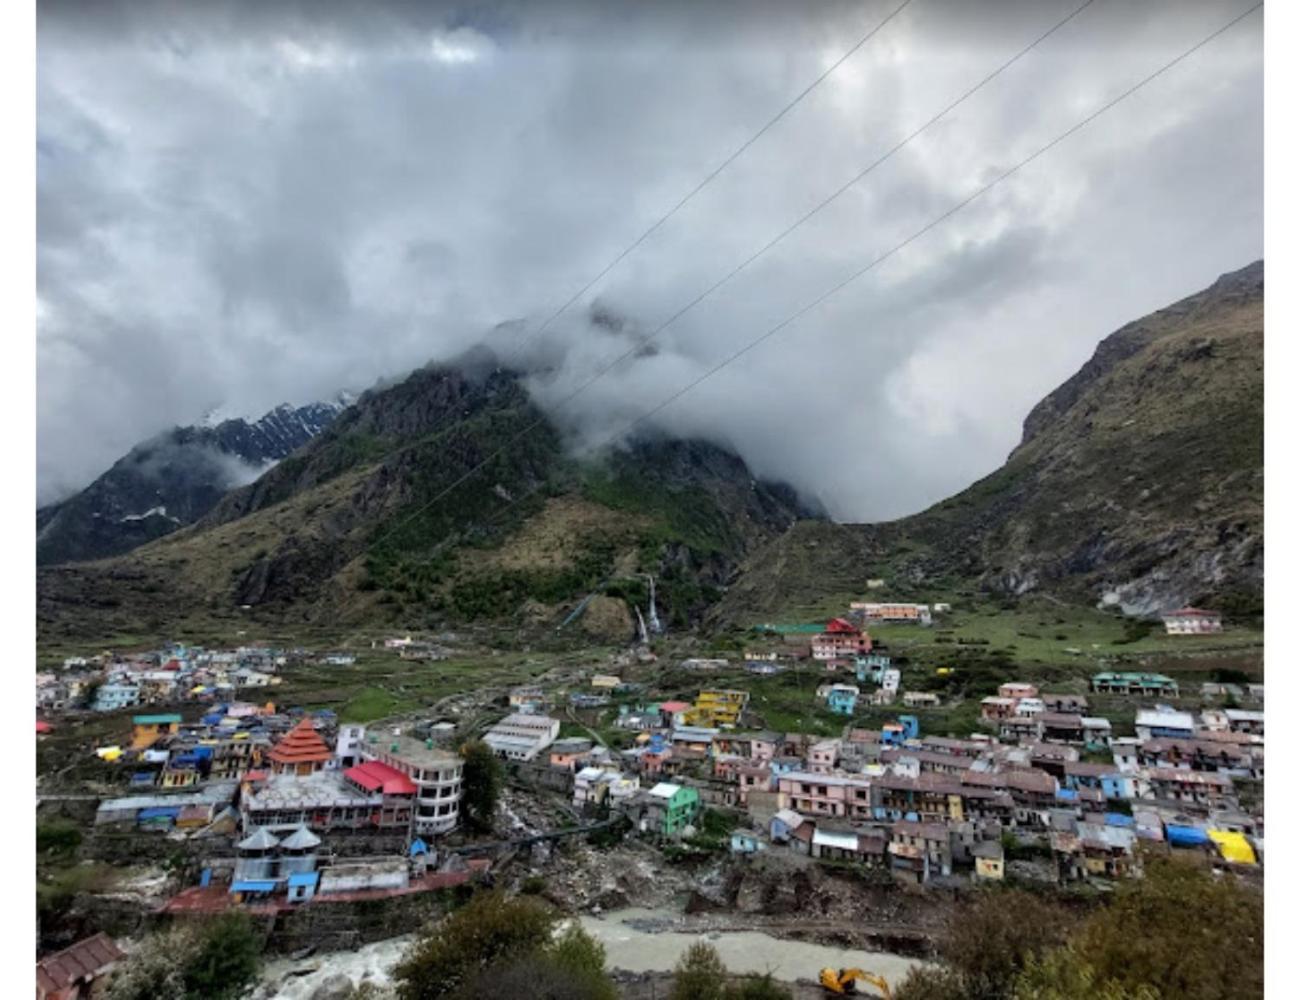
(296, 815)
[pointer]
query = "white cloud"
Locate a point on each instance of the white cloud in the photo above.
(248, 204)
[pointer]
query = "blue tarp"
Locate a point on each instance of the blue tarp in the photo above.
(1119, 819)
(254, 885)
(1067, 794)
(1185, 836)
(302, 878)
(418, 846)
(168, 812)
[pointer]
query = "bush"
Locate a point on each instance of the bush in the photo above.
(699, 975)
(504, 947)
(59, 836)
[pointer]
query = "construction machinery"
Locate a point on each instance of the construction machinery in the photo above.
(845, 981)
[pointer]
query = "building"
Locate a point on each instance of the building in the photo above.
(814, 794)
(527, 699)
(840, 640)
(300, 751)
(522, 736)
(78, 971)
(325, 801)
(1146, 685)
(669, 809)
(923, 849)
(1164, 724)
(994, 708)
(605, 682)
(989, 861)
(920, 699)
(893, 612)
(566, 753)
(718, 707)
(146, 730)
(347, 748)
(1192, 621)
(1017, 690)
(115, 695)
(436, 774)
(842, 699)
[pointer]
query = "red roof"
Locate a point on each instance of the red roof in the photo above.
(78, 964)
(840, 625)
(254, 775)
(301, 745)
(376, 776)
(43, 727)
(673, 706)
(1191, 613)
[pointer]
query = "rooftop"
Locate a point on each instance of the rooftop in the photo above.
(417, 753)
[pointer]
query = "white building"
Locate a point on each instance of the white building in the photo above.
(1164, 724)
(1028, 707)
(435, 773)
(522, 737)
(1192, 621)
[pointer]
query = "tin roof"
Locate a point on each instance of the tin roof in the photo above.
(78, 963)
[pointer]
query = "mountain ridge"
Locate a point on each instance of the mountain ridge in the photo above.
(171, 480)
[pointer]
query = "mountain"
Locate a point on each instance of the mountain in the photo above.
(172, 480)
(1137, 484)
(377, 520)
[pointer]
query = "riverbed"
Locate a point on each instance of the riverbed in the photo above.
(630, 944)
(637, 950)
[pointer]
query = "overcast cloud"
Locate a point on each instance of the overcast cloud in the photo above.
(245, 204)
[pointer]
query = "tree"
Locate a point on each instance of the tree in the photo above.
(699, 975)
(1063, 975)
(480, 785)
(985, 945)
(455, 952)
(218, 960)
(226, 958)
(762, 987)
(1180, 932)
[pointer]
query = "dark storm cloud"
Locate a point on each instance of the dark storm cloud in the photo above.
(246, 203)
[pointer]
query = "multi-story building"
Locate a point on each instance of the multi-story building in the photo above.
(1147, 685)
(841, 640)
(435, 773)
(1192, 621)
(815, 794)
(300, 751)
(892, 612)
(718, 707)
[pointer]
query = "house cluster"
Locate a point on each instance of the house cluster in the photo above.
(173, 674)
(408, 648)
(927, 806)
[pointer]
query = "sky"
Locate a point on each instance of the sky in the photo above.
(243, 204)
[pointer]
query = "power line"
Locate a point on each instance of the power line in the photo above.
(630, 248)
(839, 286)
(641, 343)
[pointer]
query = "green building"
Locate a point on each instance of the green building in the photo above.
(670, 809)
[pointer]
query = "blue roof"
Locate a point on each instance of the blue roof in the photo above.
(1067, 794)
(302, 878)
(1185, 836)
(1118, 819)
(253, 885)
(418, 846)
(159, 813)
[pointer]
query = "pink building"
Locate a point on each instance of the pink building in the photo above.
(814, 794)
(841, 640)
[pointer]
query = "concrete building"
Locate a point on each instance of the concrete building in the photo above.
(1192, 621)
(522, 736)
(435, 773)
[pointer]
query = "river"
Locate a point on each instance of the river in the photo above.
(628, 946)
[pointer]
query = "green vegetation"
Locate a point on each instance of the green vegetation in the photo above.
(1179, 932)
(369, 704)
(217, 959)
(495, 946)
(59, 837)
(480, 785)
(700, 975)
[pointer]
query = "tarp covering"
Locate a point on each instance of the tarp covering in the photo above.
(1185, 836)
(1233, 846)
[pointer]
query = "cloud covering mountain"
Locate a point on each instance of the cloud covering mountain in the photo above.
(241, 203)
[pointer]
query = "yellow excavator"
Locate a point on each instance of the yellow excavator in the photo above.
(846, 981)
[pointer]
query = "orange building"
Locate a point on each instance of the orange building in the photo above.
(302, 751)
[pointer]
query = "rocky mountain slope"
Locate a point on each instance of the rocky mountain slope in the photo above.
(1138, 483)
(373, 520)
(172, 480)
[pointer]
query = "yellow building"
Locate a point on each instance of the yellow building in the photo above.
(605, 681)
(146, 730)
(715, 707)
